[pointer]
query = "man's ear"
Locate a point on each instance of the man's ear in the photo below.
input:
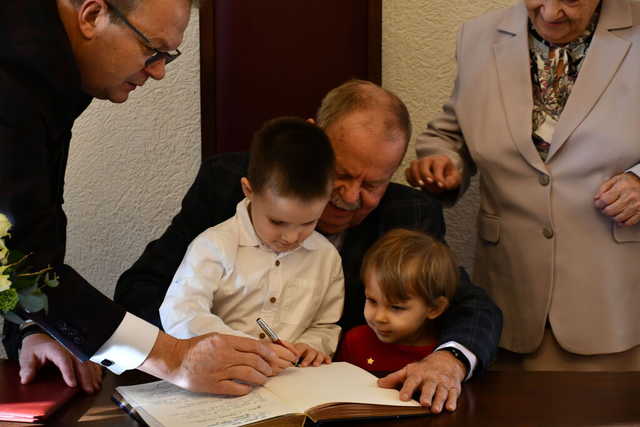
(312, 121)
(246, 187)
(93, 15)
(439, 306)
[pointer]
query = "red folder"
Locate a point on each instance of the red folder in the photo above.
(31, 402)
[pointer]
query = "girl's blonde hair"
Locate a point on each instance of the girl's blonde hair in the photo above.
(408, 263)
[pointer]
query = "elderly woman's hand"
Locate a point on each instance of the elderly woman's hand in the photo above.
(619, 198)
(434, 174)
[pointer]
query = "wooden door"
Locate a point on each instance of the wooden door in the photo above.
(266, 58)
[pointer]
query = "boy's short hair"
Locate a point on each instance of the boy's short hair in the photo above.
(408, 262)
(293, 158)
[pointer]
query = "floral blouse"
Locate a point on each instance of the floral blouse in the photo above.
(554, 70)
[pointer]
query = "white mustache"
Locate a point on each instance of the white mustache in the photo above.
(338, 202)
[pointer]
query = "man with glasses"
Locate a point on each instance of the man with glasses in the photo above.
(57, 56)
(157, 55)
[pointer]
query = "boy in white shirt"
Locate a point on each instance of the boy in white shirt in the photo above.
(267, 261)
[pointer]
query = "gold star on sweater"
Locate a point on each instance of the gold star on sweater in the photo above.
(370, 361)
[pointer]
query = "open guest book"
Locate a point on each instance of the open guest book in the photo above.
(337, 391)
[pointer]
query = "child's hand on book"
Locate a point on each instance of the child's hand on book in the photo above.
(310, 356)
(287, 356)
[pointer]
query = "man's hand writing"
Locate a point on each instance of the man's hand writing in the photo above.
(212, 363)
(438, 378)
(287, 356)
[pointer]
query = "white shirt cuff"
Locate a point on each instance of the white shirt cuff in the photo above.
(634, 170)
(473, 360)
(129, 345)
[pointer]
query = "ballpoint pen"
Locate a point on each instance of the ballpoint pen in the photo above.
(273, 336)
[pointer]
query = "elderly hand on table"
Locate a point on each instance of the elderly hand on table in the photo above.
(438, 378)
(40, 349)
(619, 198)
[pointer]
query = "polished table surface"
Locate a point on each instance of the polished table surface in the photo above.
(494, 399)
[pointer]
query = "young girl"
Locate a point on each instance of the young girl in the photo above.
(409, 279)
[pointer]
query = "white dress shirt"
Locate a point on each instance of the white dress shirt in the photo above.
(129, 345)
(228, 278)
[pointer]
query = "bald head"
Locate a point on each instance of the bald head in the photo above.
(374, 102)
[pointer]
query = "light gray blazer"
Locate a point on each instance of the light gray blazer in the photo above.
(544, 251)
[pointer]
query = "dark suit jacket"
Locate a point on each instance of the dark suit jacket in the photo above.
(473, 320)
(40, 97)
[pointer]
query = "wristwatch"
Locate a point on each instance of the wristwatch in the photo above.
(28, 327)
(460, 356)
(24, 325)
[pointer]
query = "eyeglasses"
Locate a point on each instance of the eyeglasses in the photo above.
(158, 54)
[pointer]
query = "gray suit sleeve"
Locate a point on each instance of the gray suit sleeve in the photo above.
(444, 136)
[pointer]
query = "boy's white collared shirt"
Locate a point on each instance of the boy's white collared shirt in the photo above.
(228, 278)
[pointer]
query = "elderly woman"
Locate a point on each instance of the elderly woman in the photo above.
(545, 107)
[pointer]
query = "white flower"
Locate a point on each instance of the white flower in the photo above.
(5, 225)
(5, 283)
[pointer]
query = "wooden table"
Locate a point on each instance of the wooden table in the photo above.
(495, 399)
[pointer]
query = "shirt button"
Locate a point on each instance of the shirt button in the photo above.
(272, 299)
(277, 262)
(547, 232)
(543, 179)
(262, 335)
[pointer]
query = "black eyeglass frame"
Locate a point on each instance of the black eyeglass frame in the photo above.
(158, 55)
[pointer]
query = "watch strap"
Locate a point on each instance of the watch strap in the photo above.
(29, 327)
(460, 356)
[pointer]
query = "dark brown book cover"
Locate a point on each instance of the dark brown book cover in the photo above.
(32, 402)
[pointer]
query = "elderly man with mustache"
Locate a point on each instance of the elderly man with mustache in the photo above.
(369, 129)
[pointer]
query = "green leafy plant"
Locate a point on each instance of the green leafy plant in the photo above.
(20, 283)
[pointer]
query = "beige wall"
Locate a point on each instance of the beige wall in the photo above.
(418, 64)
